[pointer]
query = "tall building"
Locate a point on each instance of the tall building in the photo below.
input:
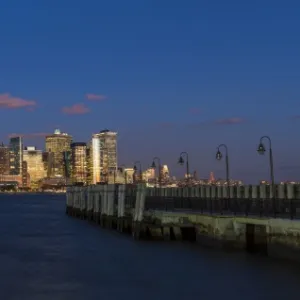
(16, 155)
(164, 172)
(148, 174)
(25, 175)
(128, 175)
(67, 164)
(212, 177)
(89, 165)
(47, 163)
(57, 144)
(104, 155)
(4, 159)
(79, 162)
(35, 164)
(123, 175)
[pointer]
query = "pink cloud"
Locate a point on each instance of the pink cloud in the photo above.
(194, 111)
(95, 97)
(76, 109)
(230, 121)
(9, 102)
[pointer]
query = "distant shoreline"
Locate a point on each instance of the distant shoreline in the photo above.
(14, 193)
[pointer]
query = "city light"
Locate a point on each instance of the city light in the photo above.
(65, 162)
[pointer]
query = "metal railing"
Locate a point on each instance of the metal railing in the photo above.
(278, 208)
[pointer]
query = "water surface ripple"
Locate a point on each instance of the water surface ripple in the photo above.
(46, 255)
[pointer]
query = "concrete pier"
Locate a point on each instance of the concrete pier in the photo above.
(121, 208)
(250, 219)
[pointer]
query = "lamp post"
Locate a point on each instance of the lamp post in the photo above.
(219, 157)
(261, 150)
(153, 166)
(181, 162)
(140, 169)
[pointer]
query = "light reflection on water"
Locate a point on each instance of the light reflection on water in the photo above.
(46, 255)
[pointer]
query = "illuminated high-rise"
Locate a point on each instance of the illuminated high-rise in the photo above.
(164, 172)
(57, 145)
(16, 155)
(67, 164)
(79, 162)
(25, 175)
(89, 164)
(104, 155)
(35, 164)
(47, 161)
(148, 174)
(4, 159)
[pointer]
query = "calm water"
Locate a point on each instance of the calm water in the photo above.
(46, 255)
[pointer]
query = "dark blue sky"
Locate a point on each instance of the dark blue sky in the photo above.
(171, 76)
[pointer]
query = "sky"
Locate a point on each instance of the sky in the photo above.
(167, 75)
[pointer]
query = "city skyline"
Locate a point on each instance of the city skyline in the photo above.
(62, 161)
(111, 134)
(167, 77)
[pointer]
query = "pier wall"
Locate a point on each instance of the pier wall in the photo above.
(278, 238)
(242, 222)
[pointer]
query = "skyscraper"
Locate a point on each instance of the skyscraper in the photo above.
(4, 159)
(89, 164)
(16, 155)
(25, 175)
(104, 155)
(35, 164)
(164, 172)
(67, 164)
(47, 163)
(57, 144)
(79, 162)
(148, 174)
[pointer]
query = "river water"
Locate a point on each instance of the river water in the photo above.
(45, 254)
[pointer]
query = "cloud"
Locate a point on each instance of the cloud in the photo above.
(95, 97)
(76, 109)
(194, 111)
(9, 102)
(30, 135)
(230, 121)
